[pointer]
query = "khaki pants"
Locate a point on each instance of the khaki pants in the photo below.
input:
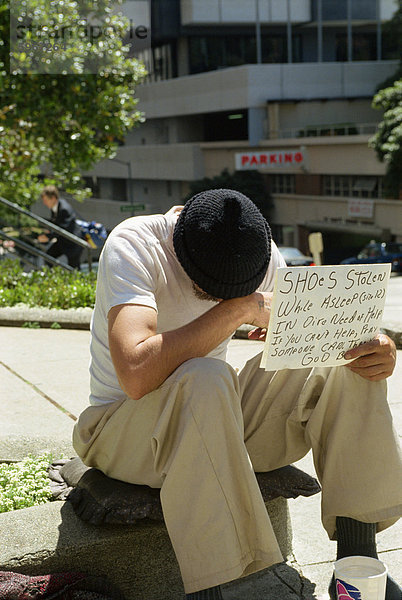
(201, 435)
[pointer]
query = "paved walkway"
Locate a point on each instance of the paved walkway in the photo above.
(44, 386)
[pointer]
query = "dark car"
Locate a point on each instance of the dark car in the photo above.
(379, 252)
(295, 258)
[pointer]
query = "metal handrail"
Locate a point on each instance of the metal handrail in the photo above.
(66, 234)
(34, 251)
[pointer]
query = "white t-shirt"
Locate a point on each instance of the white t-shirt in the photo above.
(138, 265)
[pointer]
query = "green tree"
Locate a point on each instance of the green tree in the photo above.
(387, 141)
(69, 111)
(251, 183)
(392, 32)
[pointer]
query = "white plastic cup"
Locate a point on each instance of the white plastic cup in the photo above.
(360, 578)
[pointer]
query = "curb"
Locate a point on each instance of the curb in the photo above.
(73, 318)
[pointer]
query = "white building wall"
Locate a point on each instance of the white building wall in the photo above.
(138, 11)
(387, 9)
(225, 12)
(253, 85)
(168, 162)
(332, 155)
(295, 116)
(155, 131)
(301, 210)
(197, 12)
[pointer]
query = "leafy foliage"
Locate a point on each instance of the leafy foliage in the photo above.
(250, 183)
(20, 157)
(388, 140)
(69, 114)
(392, 29)
(49, 288)
(25, 483)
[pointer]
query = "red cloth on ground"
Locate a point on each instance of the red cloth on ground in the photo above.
(63, 586)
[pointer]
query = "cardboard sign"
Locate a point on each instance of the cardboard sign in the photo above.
(318, 313)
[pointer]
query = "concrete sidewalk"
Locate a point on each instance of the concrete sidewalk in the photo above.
(44, 381)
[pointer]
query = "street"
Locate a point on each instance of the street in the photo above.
(393, 302)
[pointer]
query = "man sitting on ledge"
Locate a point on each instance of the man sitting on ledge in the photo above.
(167, 411)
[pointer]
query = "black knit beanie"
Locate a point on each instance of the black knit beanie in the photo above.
(223, 243)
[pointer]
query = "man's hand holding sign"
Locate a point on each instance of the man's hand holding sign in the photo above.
(374, 360)
(329, 316)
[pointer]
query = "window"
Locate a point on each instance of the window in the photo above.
(224, 125)
(282, 184)
(370, 251)
(360, 10)
(160, 62)
(112, 188)
(393, 247)
(364, 46)
(119, 189)
(364, 187)
(215, 52)
(352, 186)
(93, 184)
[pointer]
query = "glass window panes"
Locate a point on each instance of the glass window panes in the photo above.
(352, 186)
(364, 46)
(282, 184)
(210, 52)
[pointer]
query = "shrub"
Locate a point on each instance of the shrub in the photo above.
(49, 288)
(25, 483)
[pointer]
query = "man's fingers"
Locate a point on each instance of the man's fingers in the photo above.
(257, 334)
(374, 360)
(363, 349)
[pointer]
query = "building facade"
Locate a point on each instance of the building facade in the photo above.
(283, 87)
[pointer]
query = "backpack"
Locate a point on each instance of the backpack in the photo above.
(94, 233)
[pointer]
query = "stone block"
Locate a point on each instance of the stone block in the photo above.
(50, 538)
(138, 559)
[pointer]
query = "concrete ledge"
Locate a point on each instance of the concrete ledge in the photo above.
(50, 538)
(139, 559)
(74, 318)
(17, 447)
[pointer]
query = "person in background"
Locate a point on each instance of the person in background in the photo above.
(63, 215)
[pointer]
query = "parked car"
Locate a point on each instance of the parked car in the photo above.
(379, 252)
(295, 258)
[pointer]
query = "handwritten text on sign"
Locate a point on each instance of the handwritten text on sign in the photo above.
(318, 313)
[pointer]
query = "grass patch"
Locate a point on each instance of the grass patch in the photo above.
(31, 325)
(49, 288)
(25, 483)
